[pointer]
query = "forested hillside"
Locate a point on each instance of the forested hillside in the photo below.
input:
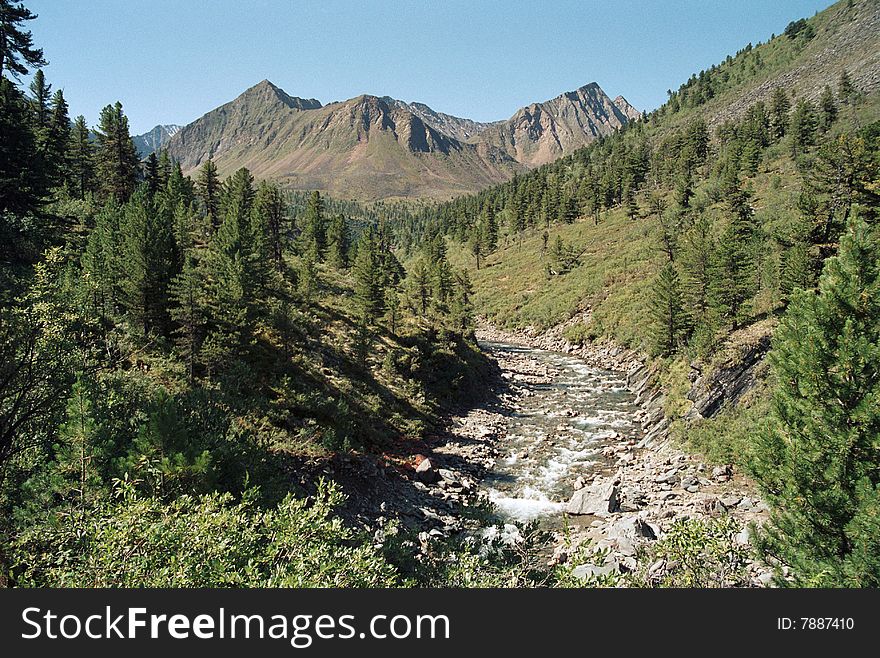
(690, 235)
(181, 360)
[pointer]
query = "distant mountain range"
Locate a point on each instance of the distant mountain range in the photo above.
(371, 147)
(154, 140)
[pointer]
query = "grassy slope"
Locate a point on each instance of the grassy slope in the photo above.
(622, 256)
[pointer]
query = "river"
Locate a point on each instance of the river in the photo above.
(565, 411)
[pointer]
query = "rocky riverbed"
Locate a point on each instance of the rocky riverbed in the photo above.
(625, 487)
(571, 436)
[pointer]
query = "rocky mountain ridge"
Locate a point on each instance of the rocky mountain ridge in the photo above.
(371, 147)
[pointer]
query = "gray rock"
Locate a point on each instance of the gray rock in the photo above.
(730, 501)
(630, 527)
(587, 571)
(425, 472)
(689, 481)
(599, 498)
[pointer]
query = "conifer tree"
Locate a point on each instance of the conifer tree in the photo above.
(77, 449)
(339, 242)
(188, 311)
(779, 109)
(733, 267)
(228, 292)
(314, 230)
(667, 311)
(827, 109)
(209, 190)
(82, 159)
(17, 50)
(846, 90)
(151, 174)
(368, 276)
(817, 462)
(117, 162)
(41, 96)
(22, 185)
(491, 242)
(269, 207)
(804, 124)
(58, 143)
(146, 257)
(421, 282)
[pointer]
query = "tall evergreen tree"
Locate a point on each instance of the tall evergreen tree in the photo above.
(269, 206)
(58, 143)
(827, 108)
(208, 188)
(117, 162)
(667, 310)
(82, 159)
(17, 50)
(804, 125)
(779, 109)
(818, 462)
(22, 185)
(146, 258)
(339, 242)
(314, 230)
(733, 262)
(151, 174)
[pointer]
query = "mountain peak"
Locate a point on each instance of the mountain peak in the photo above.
(266, 91)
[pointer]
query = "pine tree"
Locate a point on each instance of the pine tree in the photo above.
(269, 207)
(22, 184)
(40, 100)
(846, 90)
(491, 229)
(188, 312)
(238, 192)
(804, 125)
(82, 159)
(77, 449)
(779, 109)
(667, 311)
(151, 174)
(421, 282)
(733, 262)
(146, 258)
(368, 277)
(827, 109)
(696, 261)
(17, 50)
(165, 167)
(339, 242)
(817, 462)
(229, 292)
(314, 230)
(117, 162)
(209, 190)
(58, 143)
(462, 307)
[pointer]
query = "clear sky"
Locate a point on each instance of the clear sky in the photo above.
(170, 61)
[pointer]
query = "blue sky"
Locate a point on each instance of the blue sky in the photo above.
(170, 61)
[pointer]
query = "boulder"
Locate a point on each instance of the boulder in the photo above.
(425, 471)
(631, 527)
(599, 498)
(588, 571)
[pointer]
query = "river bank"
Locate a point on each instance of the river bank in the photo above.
(644, 483)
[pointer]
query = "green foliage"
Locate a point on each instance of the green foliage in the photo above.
(695, 553)
(206, 541)
(817, 461)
